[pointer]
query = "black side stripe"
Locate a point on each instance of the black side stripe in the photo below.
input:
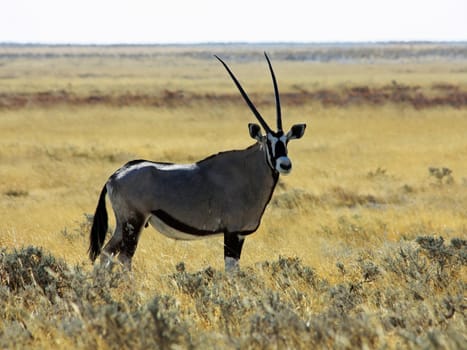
(180, 226)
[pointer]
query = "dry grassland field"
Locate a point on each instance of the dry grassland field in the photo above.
(363, 245)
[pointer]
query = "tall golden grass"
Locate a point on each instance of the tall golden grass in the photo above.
(361, 178)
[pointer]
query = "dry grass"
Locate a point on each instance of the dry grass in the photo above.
(361, 192)
(405, 296)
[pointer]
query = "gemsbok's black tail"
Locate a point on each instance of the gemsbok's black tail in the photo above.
(99, 227)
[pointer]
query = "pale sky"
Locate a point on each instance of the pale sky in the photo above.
(185, 21)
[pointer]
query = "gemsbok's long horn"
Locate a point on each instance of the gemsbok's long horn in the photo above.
(246, 98)
(276, 93)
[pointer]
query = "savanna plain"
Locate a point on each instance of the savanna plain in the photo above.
(363, 245)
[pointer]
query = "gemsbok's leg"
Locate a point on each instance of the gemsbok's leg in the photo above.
(112, 248)
(131, 230)
(233, 244)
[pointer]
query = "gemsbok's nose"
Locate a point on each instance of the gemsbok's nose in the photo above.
(283, 165)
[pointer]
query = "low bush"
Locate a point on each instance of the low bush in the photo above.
(408, 295)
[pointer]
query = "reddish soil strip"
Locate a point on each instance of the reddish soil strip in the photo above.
(441, 94)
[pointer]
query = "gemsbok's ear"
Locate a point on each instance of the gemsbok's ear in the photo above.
(296, 131)
(255, 131)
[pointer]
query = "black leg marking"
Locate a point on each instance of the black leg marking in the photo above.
(131, 232)
(233, 246)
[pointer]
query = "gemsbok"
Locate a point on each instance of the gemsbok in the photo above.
(226, 193)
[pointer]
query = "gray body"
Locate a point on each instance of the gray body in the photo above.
(226, 193)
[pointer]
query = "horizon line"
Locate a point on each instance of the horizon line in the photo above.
(233, 43)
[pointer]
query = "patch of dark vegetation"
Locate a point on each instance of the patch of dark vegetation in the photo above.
(378, 173)
(82, 230)
(409, 295)
(16, 193)
(445, 87)
(33, 268)
(442, 175)
(441, 94)
(348, 198)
